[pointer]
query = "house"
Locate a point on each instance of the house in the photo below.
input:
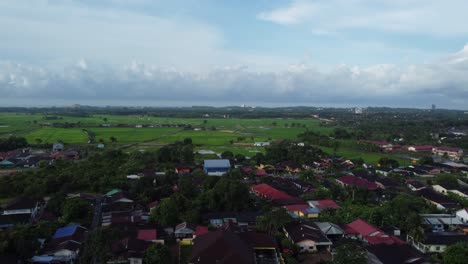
(261, 144)
(436, 242)
(302, 210)
(331, 230)
(128, 250)
(441, 222)
(64, 246)
(149, 235)
(393, 254)
(226, 246)
(185, 230)
(100, 146)
(308, 237)
(22, 205)
(6, 164)
(462, 215)
(265, 191)
(440, 201)
(324, 204)
(369, 234)
(20, 211)
(446, 188)
(425, 148)
(351, 180)
(260, 173)
(58, 147)
(386, 183)
(415, 185)
(452, 153)
(216, 167)
(242, 219)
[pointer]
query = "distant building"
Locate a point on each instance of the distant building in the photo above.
(452, 153)
(57, 147)
(261, 144)
(216, 167)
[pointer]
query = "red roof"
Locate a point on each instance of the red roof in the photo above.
(147, 234)
(260, 172)
(153, 204)
(327, 204)
(449, 149)
(422, 148)
(201, 230)
(296, 207)
(359, 182)
(370, 233)
(269, 192)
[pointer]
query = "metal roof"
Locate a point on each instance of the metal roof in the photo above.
(65, 231)
(219, 163)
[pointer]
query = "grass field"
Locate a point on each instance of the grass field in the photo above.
(36, 126)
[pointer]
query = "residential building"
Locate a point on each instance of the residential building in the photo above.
(441, 222)
(442, 202)
(227, 246)
(216, 167)
(369, 234)
(436, 242)
(452, 153)
(308, 237)
(462, 215)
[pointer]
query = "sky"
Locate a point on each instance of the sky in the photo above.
(345, 53)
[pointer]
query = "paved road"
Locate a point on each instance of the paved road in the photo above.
(96, 219)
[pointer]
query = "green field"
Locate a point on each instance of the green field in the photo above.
(219, 134)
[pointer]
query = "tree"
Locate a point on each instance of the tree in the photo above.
(75, 209)
(447, 179)
(113, 139)
(227, 155)
(188, 141)
(272, 221)
(105, 119)
(350, 253)
(385, 162)
(240, 157)
(456, 253)
(167, 214)
(157, 254)
(38, 141)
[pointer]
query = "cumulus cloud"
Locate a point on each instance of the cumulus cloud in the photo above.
(295, 13)
(415, 85)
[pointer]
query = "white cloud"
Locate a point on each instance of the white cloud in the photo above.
(416, 85)
(297, 12)
(410, 16)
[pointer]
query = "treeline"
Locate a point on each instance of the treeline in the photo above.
(12, 143)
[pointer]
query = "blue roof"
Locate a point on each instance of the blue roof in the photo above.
(312, 210)
(65, 231)
(219, 163)
(6, 162)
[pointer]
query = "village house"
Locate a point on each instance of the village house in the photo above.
(351, 180)
(446, 188)
(227, 246)
(462, 215)
(436, 242)
(216, 167)
(441, 222)
(369, 234)
(440, 201)
(64, 246)
(452, 153)
(308, 237)
(302, 210)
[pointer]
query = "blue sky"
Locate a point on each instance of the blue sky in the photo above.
(408, 53)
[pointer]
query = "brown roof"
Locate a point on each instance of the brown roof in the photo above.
(221, 247)
(21, 203)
